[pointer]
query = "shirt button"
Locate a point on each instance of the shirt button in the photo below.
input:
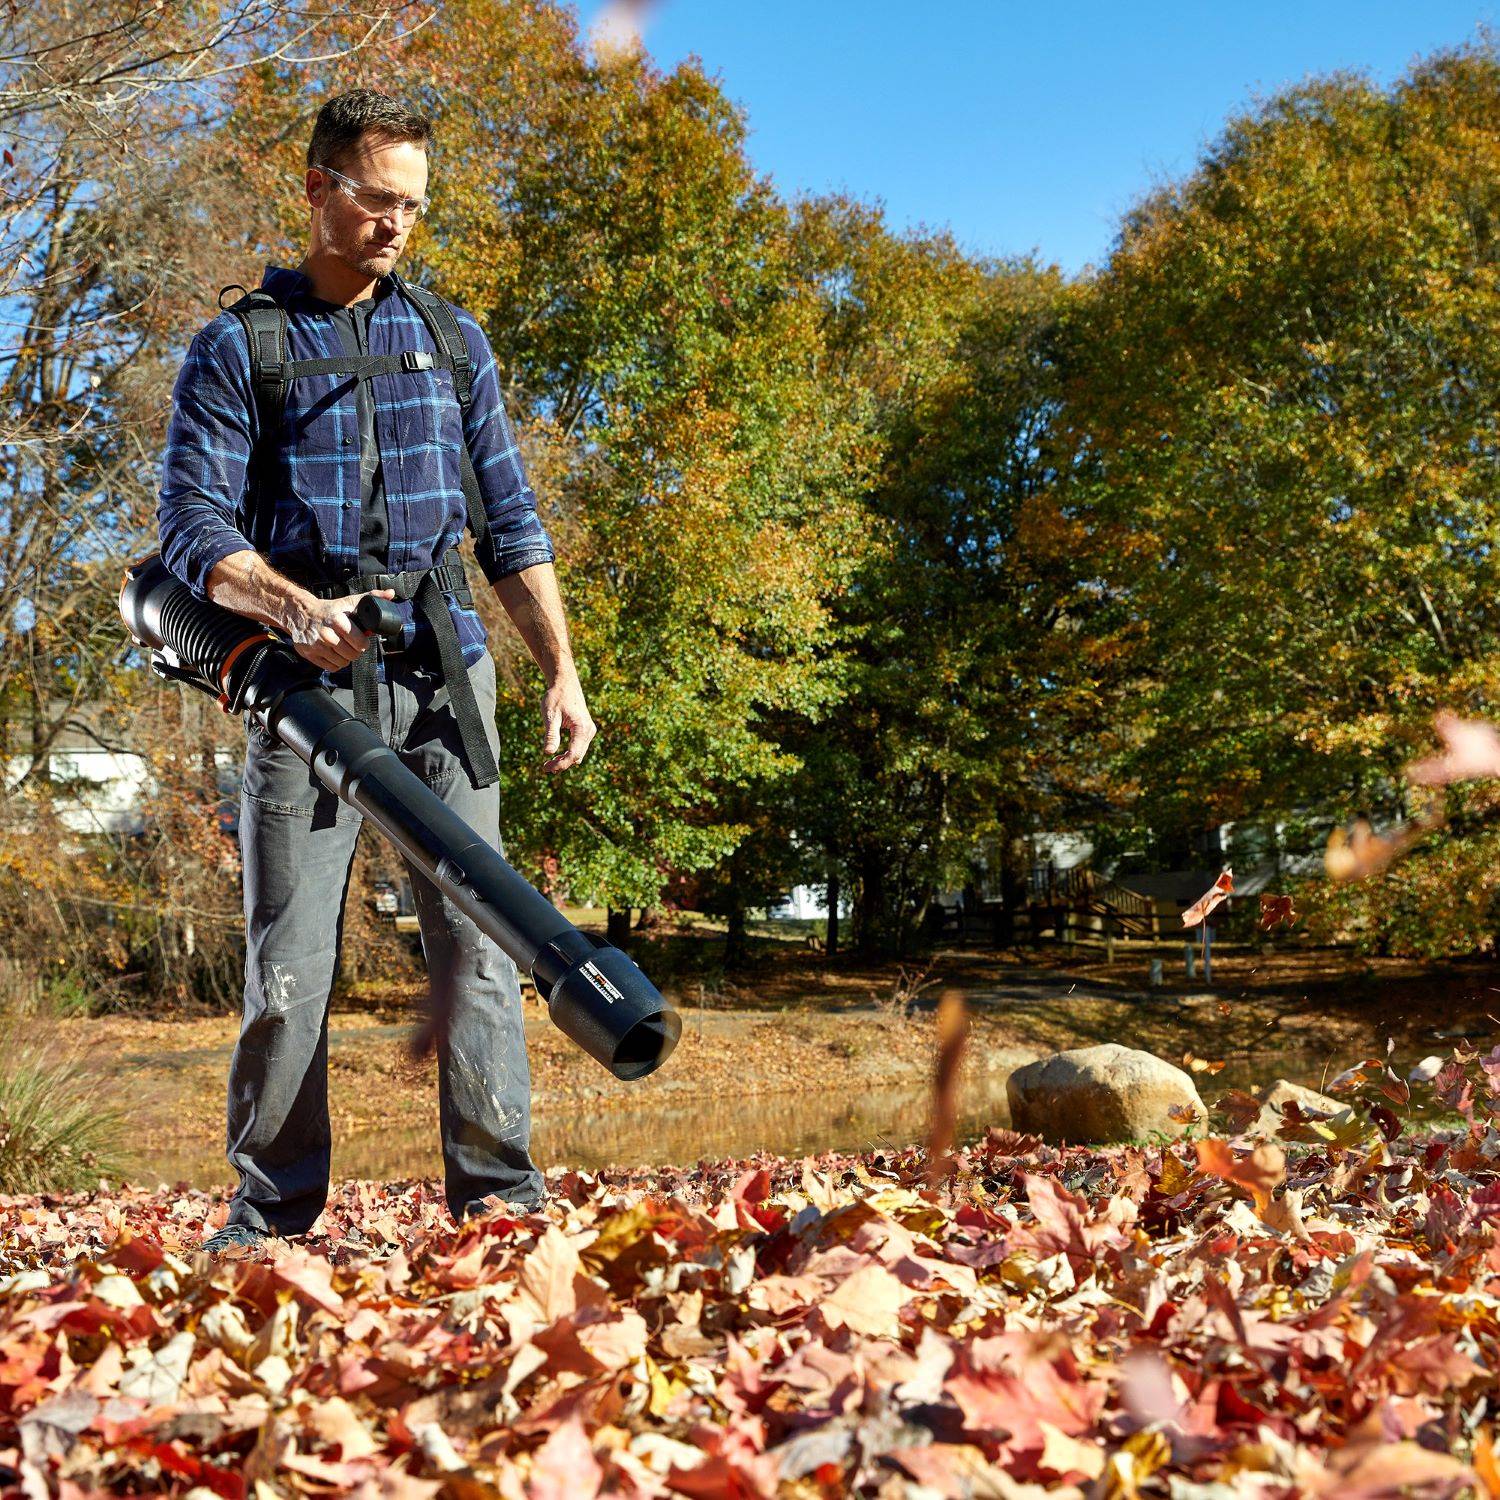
(348, 441)
(348, 504)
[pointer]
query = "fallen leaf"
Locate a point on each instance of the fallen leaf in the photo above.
(868, 1302)
(1065, 1457)
(1259, 1173)
(336, 1423)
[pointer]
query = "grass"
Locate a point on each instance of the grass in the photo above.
(55, 1135)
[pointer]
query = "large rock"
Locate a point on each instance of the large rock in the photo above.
(1274, 1098)
(1101, 1094)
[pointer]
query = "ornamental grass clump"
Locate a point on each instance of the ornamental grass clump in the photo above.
(56, 1136)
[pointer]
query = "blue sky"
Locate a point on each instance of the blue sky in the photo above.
(1022, 128)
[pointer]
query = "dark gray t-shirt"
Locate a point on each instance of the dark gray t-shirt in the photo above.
(353, 325)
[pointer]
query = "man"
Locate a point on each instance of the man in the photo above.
(359, 485)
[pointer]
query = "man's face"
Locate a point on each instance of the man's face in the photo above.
(342, 228)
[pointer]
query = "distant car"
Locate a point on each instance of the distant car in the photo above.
(386, 902)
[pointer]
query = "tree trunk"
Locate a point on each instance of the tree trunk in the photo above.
(1015, 886)
(915, 917)
(617, 926)
(831, 942)
(734, 942)
(40, 768)
(871, 937)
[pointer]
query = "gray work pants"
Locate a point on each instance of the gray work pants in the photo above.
(296, 872)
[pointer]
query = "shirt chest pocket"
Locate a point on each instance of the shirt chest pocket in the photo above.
(431, 437)
(320, 444)
(439, 423)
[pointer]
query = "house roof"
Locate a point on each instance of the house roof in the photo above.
(1185, 886)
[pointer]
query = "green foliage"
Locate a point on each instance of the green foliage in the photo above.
(70, 994)
(1280, 399)
(947, 623)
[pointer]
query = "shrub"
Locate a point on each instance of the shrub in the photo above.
(55, 1137)
(1440, 901)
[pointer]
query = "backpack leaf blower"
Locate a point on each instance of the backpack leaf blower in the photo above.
(594, 992)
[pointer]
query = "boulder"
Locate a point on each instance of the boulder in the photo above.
(1101, 1094)
(1274, 1097)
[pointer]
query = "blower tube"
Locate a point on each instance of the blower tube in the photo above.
(594, 992)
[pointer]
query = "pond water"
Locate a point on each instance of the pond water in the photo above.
(800, 1124)
(682, 1133)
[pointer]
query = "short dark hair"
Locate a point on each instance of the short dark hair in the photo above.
(345, 119)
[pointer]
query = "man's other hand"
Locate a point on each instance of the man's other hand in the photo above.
(323, 630)
(563, 708)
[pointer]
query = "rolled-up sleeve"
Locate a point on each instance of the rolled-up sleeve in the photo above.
(520, 539)
(210, 437)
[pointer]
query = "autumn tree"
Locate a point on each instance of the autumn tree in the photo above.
(661, 357)
(115, 198)
(1280, 403)
(946, 363)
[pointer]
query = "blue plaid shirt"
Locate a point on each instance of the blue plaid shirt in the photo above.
(313, 473)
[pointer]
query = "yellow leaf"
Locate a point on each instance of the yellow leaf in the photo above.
(1067, 1455)
(1176, 1175)
(868, 1302)
(619, 1232)
(665, 1389)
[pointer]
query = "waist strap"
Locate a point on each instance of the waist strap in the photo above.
(449, 577)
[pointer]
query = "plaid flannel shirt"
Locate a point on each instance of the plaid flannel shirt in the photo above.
(313, 473)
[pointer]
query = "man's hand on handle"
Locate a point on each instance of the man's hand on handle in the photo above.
(323, 630)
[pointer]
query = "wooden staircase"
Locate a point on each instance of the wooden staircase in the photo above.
(1084, 890)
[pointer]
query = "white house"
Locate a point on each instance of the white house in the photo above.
(105, 789)
(804, 904)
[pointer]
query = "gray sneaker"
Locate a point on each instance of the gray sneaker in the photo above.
(234, 1237)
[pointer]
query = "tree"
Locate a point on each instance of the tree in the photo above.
(947, 625)
(1280, 407)
(662, 361)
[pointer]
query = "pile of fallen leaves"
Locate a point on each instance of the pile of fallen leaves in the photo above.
(1216, 1317)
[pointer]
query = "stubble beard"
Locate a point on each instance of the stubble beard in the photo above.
(376, 266)
(370, 262)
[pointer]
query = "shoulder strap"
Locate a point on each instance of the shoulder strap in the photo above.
(443, 325)
(264, 322)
